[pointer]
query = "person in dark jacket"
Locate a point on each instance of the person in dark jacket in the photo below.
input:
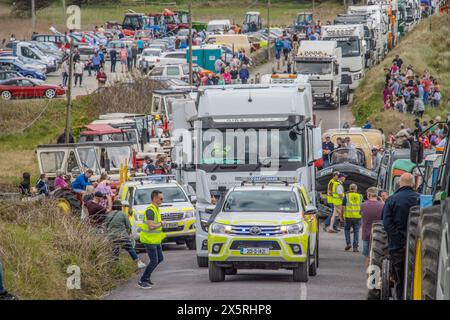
(118, 229)
(395, 222)
(25, 185)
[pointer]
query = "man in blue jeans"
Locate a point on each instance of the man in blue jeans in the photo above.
(351, 204)
(4, 295)
(151, 236)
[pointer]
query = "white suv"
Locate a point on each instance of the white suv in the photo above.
(175, 71)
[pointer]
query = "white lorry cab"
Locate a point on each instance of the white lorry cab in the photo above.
(378, 26)
(321, 61)
(350, 38)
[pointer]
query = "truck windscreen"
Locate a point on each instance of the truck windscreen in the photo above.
(350, 48)
(250, 146)
(313, 67)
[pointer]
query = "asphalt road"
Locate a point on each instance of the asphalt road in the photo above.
(340, 276)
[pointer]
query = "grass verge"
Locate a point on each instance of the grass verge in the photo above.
(421, 48)
(38, 244)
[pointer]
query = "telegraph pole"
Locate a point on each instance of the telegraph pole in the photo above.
(69, 95)
(268, 30)
(190, 44)
(33, 15)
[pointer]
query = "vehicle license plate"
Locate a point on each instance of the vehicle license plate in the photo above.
(255, 251)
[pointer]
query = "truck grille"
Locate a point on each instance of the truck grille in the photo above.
(238, 244)
(346, 79)
(321, 86)
(179, 228)
(172, 216)
(264, 231)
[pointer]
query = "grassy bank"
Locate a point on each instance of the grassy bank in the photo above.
(38, 244)
(282, 14)
(421, 48)
(28, 123)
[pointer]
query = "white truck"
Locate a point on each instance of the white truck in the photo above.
(236, 131)
(350, 38)
(243, 132)
(378, 26)
(321, 61)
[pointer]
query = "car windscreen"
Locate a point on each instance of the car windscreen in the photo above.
(170, 195)
(261, 201)
(151, 53)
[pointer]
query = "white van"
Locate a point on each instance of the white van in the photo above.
(218, 26)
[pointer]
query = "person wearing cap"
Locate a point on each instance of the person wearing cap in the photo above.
(327, 148)
(96, 212)
(118, 228)
(351, 205)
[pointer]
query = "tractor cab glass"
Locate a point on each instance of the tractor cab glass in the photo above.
(88, 159)
(305, 19)
(347, 155)
(118, 155)
(51, 161)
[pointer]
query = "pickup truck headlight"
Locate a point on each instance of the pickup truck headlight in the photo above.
(297, 228)
(219, 228)
(189, 214)
(357, 76)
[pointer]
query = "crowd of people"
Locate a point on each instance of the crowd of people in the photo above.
(408, 91)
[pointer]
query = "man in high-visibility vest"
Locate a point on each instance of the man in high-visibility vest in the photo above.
(337, 193)
(151, 236)
(330, 199)
(351, 204)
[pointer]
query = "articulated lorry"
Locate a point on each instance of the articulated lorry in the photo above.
(321, 61)
(350, 38)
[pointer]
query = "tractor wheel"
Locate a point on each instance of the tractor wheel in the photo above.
(413, 222)
(386, 272)
(67, 202)
(378, 252)
(443, 288)
(430, 242)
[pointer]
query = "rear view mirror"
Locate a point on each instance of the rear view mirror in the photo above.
(416, 153)
(125, 203)
(292, 135)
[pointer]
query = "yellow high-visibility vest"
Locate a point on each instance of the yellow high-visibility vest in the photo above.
(353, 205)
(148, 236)
(336, 199)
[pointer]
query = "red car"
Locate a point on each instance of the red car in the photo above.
(28, 88)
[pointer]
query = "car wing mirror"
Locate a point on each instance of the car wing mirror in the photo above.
(310, 210)
(125, 203)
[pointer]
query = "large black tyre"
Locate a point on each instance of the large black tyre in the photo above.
(300, 272)
(202, 262)
(430, 239)
(386, 271)
(70, 198)
(411, 237)
(216, 274)
(190, 244)
(378, 252)
(314, 261)
(443, 288)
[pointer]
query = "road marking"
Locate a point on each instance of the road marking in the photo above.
(303, 292)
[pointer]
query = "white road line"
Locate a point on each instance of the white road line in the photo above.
(303, 291)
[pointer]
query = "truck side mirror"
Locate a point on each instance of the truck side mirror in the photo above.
(416, 153)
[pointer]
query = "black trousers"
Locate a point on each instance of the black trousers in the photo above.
(398, 264)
